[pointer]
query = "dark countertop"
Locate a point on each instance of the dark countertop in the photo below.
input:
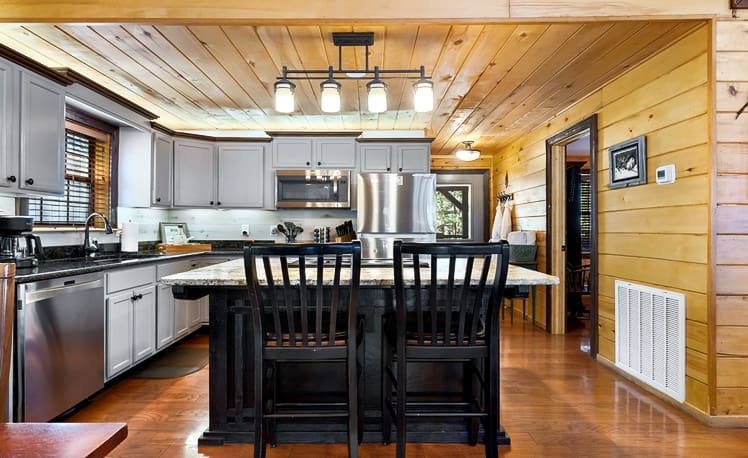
(74, 266)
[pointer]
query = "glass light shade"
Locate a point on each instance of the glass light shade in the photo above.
(423, 96)
(467, 153)
(377, 96)
(330, 102)
(284, 98)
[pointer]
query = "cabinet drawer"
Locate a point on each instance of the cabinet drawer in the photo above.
(130, 278)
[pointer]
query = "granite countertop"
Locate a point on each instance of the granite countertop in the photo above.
(232, 274)
(48, 269)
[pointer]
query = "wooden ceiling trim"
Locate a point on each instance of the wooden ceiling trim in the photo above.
(485, 96)
(533, 63)
(123, 69)
(159, 45)
(227, 56)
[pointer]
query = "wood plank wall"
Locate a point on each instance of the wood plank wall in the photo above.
(650, 234)
(731, 220)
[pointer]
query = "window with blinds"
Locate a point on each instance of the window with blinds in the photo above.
(585, 214)
(87, 180)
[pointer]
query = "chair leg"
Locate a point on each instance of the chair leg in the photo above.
(468, 386)
(491, 390)
(259, 440)
(271, 423)
(511, 311)
(386, 364)
(353, 416)
(360, 394)
(401, 421)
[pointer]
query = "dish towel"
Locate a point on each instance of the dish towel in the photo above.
(506, 220)
(496, 227)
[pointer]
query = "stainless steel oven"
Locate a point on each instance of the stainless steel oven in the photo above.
(312, 189)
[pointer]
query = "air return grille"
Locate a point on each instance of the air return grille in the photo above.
(651, 336)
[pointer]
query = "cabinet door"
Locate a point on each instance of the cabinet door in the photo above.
(375, 157)
(205, 310)
(144, 323)
(164, 317)
(413, 158)
(181, 321)
(119, 320)
(42, 135)
(193, 314)
(334, 153)
(292, 152)
(161, 173)
(240, 175)
(194, 173)
(8, 120)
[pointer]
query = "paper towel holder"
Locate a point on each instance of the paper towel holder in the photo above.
(171, 232)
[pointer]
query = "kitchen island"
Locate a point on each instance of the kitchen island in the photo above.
(231, 369)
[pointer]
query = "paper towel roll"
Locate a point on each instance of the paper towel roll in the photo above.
(129, 240)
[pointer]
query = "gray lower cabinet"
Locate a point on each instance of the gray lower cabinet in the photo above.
(131, 318)
(173, 315)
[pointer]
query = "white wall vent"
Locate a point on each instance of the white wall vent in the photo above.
(651, 337)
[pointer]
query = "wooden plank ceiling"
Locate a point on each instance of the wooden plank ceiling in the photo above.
(492, 82)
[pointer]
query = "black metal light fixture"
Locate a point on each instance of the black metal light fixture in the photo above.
(423, 88)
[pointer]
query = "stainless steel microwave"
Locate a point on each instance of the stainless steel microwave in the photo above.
(312, 189)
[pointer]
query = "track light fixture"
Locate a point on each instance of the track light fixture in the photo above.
(467, 152)
(423, 88)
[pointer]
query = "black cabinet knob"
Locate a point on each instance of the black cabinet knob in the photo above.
(388, 169)
(308, 163)
(211, 202)
(218, 203)
(29, 181)
(400, 169)
(158, 199)
(12, 178)
(319, 162)
(136, 297)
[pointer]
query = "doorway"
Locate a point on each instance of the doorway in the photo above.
(571, 228)
(461, 206)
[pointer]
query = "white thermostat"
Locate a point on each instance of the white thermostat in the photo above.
(665, 174)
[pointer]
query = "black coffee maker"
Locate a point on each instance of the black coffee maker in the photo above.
(17, 243)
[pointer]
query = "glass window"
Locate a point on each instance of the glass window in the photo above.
(453, 212)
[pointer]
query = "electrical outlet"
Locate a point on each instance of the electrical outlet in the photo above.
(245, 230)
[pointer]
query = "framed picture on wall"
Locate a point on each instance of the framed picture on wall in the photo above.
(628, 163)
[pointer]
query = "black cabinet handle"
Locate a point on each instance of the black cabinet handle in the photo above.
(136, 297)
(308, 163)
(211, 202)
(12, 178)
(388, 169)
(319, 162)
(218, 203)
(29, 181)
(158, 199)
(400, 169)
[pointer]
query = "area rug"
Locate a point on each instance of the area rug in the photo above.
(176, 362)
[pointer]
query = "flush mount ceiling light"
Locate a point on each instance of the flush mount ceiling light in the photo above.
(423, 88)
(467, 152)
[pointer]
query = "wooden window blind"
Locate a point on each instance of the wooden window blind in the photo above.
(87, 180)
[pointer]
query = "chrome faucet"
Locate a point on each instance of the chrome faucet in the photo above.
(92, 246)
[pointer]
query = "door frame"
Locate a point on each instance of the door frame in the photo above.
(555, 150)
(486, 185)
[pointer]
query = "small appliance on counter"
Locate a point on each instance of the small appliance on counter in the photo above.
(17, 243)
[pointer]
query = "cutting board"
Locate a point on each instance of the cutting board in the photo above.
(182, 247)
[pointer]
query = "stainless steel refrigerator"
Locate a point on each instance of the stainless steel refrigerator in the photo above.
(394, 206)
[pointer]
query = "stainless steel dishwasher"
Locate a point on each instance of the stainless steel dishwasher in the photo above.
(60, 339)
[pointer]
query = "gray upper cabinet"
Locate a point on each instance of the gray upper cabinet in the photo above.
(32, 132)
(314, 152)
(240, 175)
(395, 157)
(194, 173)
(42, 135)
(161, 172)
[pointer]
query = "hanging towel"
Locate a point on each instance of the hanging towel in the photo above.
(506, 220)
(496, 227)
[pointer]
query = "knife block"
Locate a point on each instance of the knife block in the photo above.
(345, 237)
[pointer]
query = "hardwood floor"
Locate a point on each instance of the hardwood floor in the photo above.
(555, 401)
